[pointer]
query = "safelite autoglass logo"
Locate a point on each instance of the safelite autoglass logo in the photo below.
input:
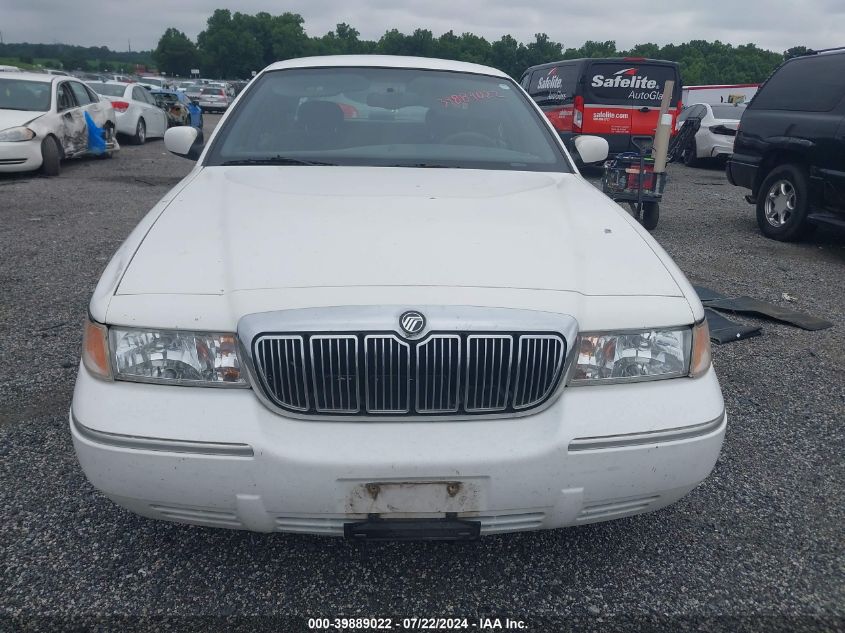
(625, 78)
(551, 81)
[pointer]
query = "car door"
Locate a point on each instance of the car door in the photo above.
(89, 103)
(158, 116)
(73, 132)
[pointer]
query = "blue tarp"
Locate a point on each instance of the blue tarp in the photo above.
(96, 136)
(195, 111)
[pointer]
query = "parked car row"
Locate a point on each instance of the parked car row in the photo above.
(43, 117)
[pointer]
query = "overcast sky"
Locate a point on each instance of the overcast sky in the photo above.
(771, 24)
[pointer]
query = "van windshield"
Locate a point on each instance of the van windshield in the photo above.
(630, 83)
(387, 117)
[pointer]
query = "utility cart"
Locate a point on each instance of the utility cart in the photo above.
(630, 177)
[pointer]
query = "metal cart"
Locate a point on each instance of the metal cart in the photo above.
(630, 178)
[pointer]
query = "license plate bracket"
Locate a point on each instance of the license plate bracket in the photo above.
(437, 529)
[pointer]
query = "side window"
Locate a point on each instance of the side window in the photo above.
(64, 97)
(148, 97)
(806, 84)
(138, 94)
(92, 95)
(82, 96)
(526, 79)
(554, 85)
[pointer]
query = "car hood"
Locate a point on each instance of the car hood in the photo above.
(14, 118)
(259, 227)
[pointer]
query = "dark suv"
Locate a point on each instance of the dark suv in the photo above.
(790, 147)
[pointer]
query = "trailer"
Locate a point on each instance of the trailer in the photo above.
(719, 93)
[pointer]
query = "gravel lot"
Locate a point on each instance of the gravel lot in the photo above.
(760, 540)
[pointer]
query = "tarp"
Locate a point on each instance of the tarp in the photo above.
(96, 136)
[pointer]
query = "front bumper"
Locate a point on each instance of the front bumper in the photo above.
(220, 458)
(20, 156)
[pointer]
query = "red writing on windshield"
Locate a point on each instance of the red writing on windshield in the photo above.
(469, 97)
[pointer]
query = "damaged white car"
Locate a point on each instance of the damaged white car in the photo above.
(42, 121)
(422, 324)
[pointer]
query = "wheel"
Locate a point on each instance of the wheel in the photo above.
(140, 133)
(51, 157)
(782, 204)
(690, 154)
(202, 122)
(651, 214)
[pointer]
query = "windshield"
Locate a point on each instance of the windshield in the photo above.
(212, 91)
(107, 90)
(387, 117)
(728, 112)
(16, 94)
(152, 80)
(166, 97)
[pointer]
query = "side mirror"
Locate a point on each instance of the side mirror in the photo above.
(195, 102)
(184, 141)
(591, 149)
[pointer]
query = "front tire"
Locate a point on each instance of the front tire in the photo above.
(51, 157)
(783, 204)
(140, 136)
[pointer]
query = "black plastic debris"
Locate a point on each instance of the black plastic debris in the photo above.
(723, 330)
(706, 294)
(755, 307)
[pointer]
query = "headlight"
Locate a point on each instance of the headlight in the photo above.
(176, 357)
(14, 134)
(607, 357)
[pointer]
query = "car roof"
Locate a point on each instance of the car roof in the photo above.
(36, 76)
(385, 61)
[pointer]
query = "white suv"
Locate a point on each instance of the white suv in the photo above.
(413, 325)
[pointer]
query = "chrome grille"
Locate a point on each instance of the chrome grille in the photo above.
(388, 384)
(488, 372)
(334, 367)
(382, 374)
(439, 374)
(539, 363)
(282, 362)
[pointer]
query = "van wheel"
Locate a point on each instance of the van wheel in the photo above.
(782, 204)
(651, 214)
(51, 158)
(690, 154)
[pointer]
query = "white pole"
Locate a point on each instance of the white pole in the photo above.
(664, 129)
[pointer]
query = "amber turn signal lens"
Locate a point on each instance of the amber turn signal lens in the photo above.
(700, 360)
(95, 349)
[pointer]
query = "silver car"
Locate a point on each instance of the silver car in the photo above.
(214, 99)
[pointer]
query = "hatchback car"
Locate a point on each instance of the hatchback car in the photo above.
(138, 115)
(410, 327)
(214, 99)
(43, 120)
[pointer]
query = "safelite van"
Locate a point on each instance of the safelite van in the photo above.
(615, 98)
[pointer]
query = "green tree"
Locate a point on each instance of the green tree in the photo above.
(175, 54)
(228, 47)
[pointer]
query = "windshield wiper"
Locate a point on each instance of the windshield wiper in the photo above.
(275, 160)
(425, 165)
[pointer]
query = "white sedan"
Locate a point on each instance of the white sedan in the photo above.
(138, 115)
(427, 327)
(42, 121)
(715, 137)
